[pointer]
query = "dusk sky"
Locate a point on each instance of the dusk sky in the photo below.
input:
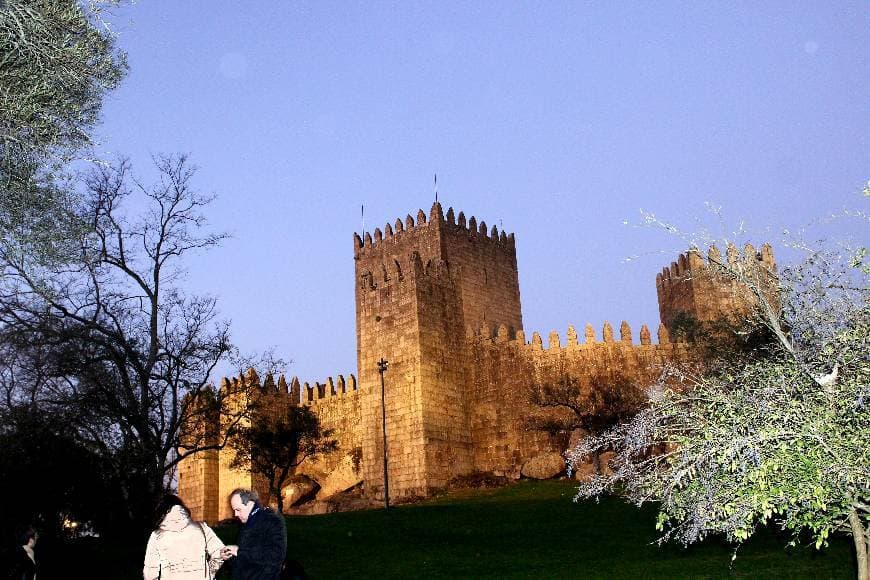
(558, 122)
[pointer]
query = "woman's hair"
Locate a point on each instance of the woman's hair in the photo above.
(26, 534)
(166, 503)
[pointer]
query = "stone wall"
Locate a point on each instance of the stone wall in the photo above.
(228, 477)
(501, 370)
(447, 441)
(388, 328)
(199, 485)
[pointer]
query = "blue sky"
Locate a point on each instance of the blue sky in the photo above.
(555, 121)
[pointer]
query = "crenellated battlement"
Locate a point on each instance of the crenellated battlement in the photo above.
(407, 229)
(517, 338)
(692, 263)
(477, 263)
(718, 290)
(478, 231)
(299, 393)
(318, 392)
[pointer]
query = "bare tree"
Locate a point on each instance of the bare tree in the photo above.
(569, 404)
(110, 334)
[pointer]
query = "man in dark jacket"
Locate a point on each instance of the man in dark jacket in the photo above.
(262, 545)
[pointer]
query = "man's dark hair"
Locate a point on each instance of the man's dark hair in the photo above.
(26, 534)
(246, 495)
(166, 503)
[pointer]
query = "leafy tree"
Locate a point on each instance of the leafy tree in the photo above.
(777, 433)
(280, 436)
(57, 61)
(109, 341)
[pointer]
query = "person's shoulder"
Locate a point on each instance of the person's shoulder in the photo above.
(273, 515)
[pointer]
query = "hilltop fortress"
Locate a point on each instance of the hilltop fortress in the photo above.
(439, 299)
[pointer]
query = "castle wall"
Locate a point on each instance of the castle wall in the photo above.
(198, 484)
(448, 448)
(498, 375)
(206, 479)
(198, 473)
(228, 477)
(502, 370)
(339, 409)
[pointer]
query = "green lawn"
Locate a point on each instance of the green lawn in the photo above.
(528, 530)
(534, 530)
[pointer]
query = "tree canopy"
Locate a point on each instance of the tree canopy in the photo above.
(774, 433)
(57, 62)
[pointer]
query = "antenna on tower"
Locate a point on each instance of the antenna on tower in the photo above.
(362, 215)
(436, 188)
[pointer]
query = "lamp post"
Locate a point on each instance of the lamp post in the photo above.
(382, 368)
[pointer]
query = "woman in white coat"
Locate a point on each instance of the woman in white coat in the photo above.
(179, 548)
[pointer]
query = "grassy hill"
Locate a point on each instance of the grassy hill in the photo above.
(534, 530)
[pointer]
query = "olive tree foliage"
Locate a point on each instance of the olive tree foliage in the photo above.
(775, 433)
(111, 340)
(57, 62)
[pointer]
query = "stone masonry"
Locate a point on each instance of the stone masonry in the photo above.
(439, 299)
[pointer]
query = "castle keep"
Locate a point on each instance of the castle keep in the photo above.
(439, 299)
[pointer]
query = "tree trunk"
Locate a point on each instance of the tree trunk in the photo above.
(280, 501)
(859, 536)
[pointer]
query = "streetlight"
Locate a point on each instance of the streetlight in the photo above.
(382, 368)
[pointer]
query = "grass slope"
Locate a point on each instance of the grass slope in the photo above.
(534, 530)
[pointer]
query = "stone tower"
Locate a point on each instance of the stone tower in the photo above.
(708, 291)
(419, 286)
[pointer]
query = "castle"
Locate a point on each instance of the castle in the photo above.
(439, 299)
